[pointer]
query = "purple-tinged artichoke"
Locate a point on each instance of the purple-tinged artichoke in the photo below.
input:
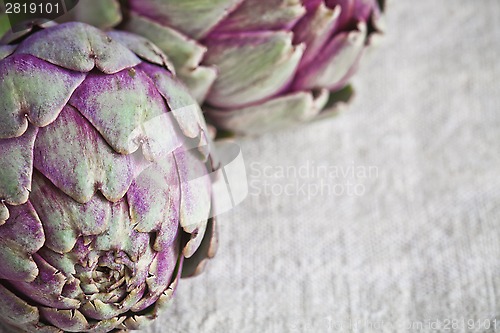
(278, 62)
(104, 199)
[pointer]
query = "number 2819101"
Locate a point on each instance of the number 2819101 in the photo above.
(32, 8)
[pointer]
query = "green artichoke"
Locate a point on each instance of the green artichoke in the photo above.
(278, 62)
(105, 199)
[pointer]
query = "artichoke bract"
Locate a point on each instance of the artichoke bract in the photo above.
(278, 62)
(105, 202)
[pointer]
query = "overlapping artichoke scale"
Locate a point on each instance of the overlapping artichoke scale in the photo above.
(74, 321)
(277, 112)
(47, 287)
(185, 52)
(337, 60)
(142, 47)
(353, 11)
(17, 168)
(187, 114)
(20, 238)
(195, 198)
(194, 18)
(79, 47)
(252, 66)
(142, 112)
(247, 42)
(182, 50)
(195, 264)
(257, 15)
(184, 109)
(315, 29)
(136, 322)
(14, 310)
(32, 91)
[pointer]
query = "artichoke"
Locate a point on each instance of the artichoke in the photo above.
(105, 199)
(278, 62)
